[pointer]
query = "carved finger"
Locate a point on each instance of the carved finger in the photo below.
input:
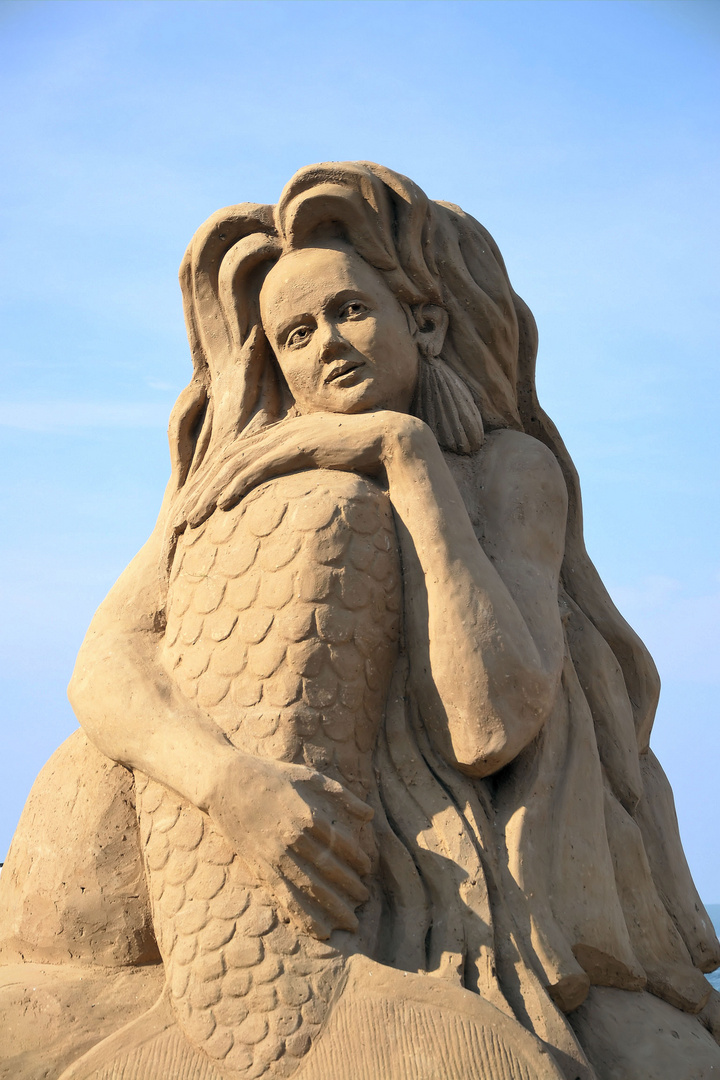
(305, 912)
(243, 482)
(335, 908)
(332, 868)
(209, 484)
(211, 490)
(349, 801)
(341, 842)
(284, 456)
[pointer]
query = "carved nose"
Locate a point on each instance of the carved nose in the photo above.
(333, 346)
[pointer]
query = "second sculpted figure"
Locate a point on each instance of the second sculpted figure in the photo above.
(385, 732)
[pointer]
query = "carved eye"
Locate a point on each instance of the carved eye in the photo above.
(352, 308)
(299, 336)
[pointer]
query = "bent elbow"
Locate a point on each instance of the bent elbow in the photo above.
(500, 733)
(490, 754)
(80, 684)
(483, 756)
(82, 692)
(97, 677)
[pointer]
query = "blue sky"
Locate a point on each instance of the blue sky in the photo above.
(582, 133)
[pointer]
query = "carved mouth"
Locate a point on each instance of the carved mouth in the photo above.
(342, 369)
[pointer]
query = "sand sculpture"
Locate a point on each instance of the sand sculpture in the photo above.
(363, 787)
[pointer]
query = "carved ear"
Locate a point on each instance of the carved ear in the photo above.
(432, 323)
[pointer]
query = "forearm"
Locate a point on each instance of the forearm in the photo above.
(131, 711)
(484, 685)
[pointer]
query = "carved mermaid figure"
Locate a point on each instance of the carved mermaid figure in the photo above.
(389, 737)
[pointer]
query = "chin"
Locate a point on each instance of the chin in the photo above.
(354, 399)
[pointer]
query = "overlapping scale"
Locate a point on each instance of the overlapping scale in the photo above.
(283, 626)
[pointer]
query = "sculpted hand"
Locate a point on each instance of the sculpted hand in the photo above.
(298, 830)
(354, 443)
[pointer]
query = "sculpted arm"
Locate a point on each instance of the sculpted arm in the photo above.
(484, 629)
(126, 703)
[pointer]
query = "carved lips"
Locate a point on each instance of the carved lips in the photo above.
(339, 371)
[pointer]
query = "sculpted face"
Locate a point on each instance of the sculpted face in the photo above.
(340, 336)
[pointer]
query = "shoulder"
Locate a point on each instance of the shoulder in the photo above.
(510, 450)
(522, 467)
(512, 487)
(517, 499)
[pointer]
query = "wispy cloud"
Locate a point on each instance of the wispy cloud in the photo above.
(63, 415)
